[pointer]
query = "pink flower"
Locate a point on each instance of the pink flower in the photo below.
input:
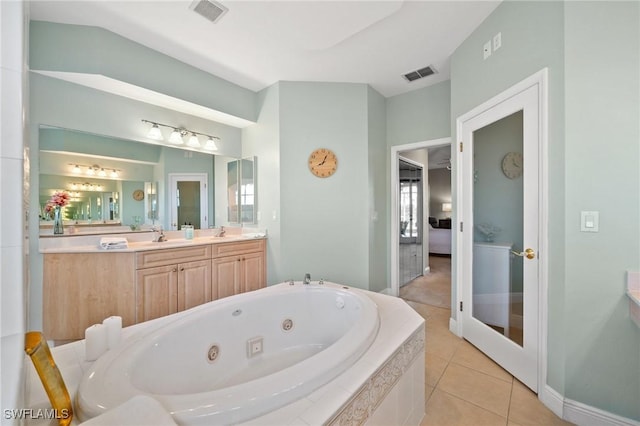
(59, 198)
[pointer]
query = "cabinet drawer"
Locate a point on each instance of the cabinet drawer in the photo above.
(238, 247)
(152, 258)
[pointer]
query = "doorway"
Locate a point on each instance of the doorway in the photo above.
(188, 200)
(397, 152)
(411, 248)
(502, 222)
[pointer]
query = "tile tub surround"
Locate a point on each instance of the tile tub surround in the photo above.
(385, 386)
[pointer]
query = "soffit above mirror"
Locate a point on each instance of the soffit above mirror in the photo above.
(121, 88)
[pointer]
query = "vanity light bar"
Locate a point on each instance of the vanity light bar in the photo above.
(178, 134)
(95, 170)
(86, 186)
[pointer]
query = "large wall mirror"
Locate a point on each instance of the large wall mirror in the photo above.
(121, 182)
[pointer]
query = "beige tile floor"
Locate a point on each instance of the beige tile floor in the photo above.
(465, 387)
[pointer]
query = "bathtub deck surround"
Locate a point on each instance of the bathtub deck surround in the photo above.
(383, 386)
(153, 279)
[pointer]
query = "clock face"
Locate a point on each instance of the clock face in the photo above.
(323, 162)
(512, 165)
(138, 194)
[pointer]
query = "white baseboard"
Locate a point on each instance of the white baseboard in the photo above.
(579, 413)
(386, 291)
(453, 327)
(552, 400)
(586, 415)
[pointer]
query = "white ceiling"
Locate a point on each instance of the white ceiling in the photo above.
(257, 43)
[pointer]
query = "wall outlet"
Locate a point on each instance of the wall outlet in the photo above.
(487, 49)
(254, 346)
(497, 41)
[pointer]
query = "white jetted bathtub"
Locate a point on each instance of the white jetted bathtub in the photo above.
(237, 358)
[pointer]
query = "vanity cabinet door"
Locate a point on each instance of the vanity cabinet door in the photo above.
(238, 267)
(253, 271)
(82, 289)
(194, 284)
(156, 292)
(225, 276)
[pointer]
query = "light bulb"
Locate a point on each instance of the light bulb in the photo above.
(76, 169)
(102, 173)
(91, 172)
(155, 133)
(176, 137)
(114, 174)
(211, 145)
(193, 141)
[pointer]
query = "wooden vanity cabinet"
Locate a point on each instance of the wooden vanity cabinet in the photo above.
(238, 267)
(82, 289)
(165, 286)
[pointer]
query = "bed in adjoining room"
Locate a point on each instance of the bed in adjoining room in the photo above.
(439, 240)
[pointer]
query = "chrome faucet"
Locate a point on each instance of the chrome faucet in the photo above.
(307, 279)
(222, 232)
(160, 237)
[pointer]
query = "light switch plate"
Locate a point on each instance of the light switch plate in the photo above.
(486, 50)
(589, 221)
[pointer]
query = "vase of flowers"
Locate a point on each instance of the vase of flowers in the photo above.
(54, 208)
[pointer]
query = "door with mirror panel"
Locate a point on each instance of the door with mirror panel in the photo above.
(500, 219)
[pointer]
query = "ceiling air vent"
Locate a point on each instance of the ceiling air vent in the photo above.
(422, 72)
(209, 9)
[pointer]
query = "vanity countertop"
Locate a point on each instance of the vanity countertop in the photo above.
(137, 242)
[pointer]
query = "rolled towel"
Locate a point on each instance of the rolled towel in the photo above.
(111, 243)
(137, 411)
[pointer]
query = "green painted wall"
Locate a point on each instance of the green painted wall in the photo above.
(325, 221)
(592, 52)
(377, 183)
(419, 115)
(602, 134)
(93, 50)
(263, 141)
(532, 39)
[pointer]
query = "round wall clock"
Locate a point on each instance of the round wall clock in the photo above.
(138, 194)
(323, 162)
(512, 165)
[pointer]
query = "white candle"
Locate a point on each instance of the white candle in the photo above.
(114, 331)
(95, 343)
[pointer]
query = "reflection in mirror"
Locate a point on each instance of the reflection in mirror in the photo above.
(189, 200)
(132, 168)
(498, 219)
(248, 190)
(91, 200)
(233, 172)
(241, 190)
(151, 206)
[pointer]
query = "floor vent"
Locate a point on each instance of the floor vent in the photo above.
(209, 9)
(422, 72)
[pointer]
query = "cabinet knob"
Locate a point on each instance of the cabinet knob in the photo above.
(182, 269)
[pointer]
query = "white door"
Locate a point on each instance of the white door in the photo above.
(500, 230)
(188, 200)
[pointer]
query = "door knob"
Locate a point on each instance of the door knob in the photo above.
(528, 253)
